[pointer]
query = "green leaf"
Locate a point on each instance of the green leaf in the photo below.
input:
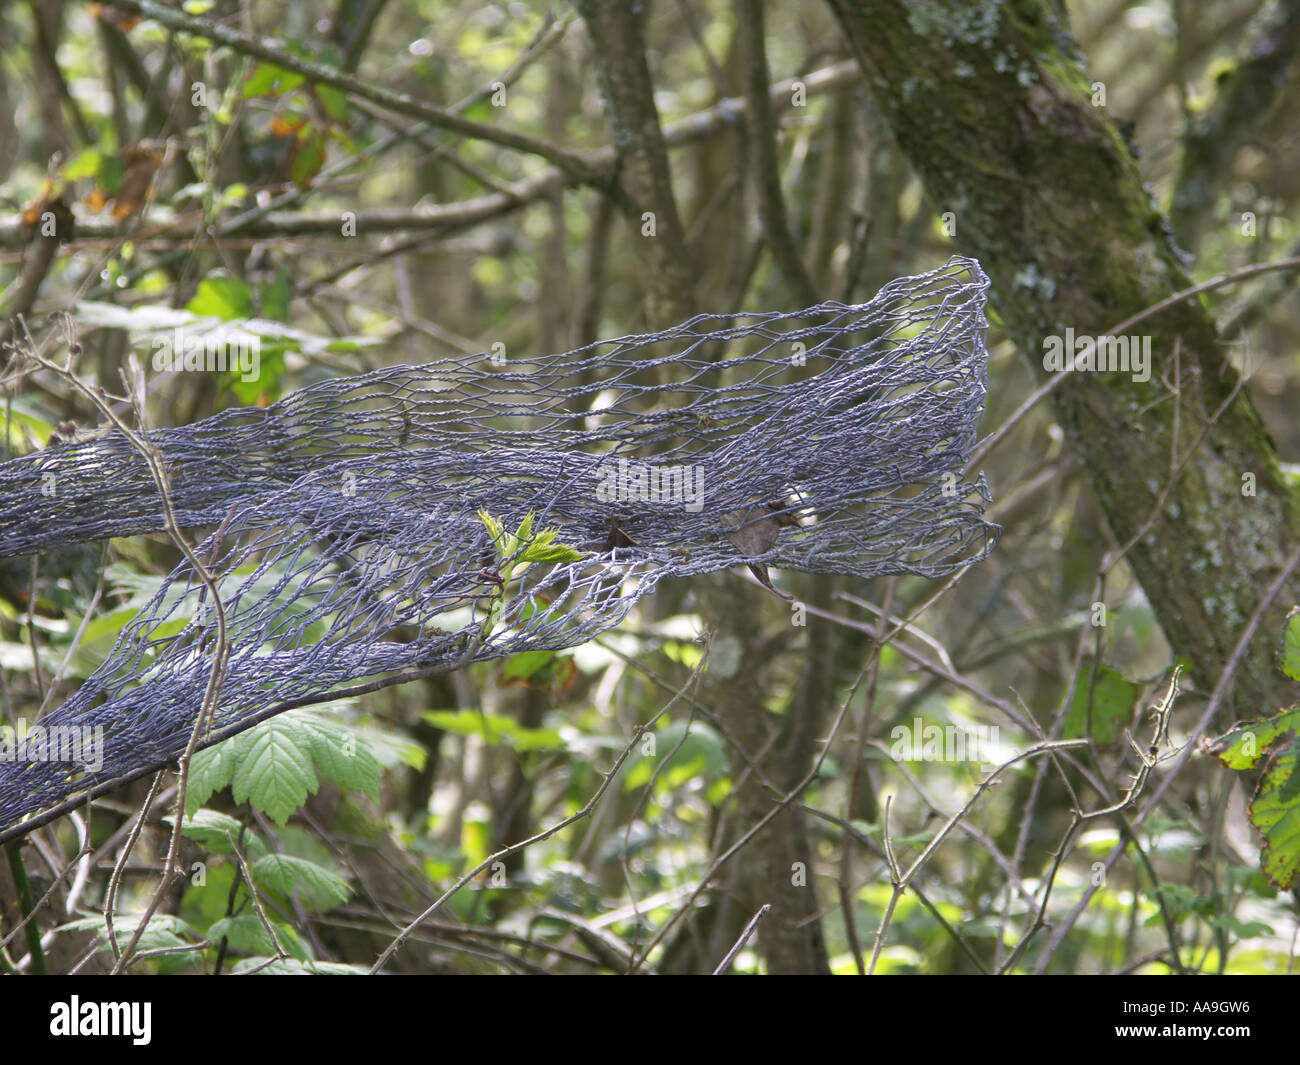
(1242, 929)
(551, 553)
(341, 755)
(84, 164)
(701, 753)
(210, 771)
(1290, 650)
(270, 373)
(247, 933)
(496, 729)
(493, 526)
(218, 833)
(276, 765)
(525, 664)
(316, 887)
(1243, 747)
(309, 157)
(275, 296)
(111, 171)
(1275, 813)
(222, 296)
(1275, 808)
(1113, 701)
(267, 79)
(333, 102)
(275, 771)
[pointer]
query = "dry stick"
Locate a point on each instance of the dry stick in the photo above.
(31, 630)
(850, 831)
(280, 952)
(1216, 697)
(119, 868)
(1176, 467)
(1148, 761)
(745, 936)
(1022, 719)
(486, 863)
(1230, 278)
(901, 880)
(646, 793)
(763, 821)
(269, 220)
(859, 761)
(980, 837)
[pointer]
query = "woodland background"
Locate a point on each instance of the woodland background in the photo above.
(395, 181)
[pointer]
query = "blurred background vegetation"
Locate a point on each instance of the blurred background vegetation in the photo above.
(498, 206)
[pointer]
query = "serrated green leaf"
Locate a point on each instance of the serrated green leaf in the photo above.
(247, 933)
(493, 526)
(219, 833)
(339, 754)
(551, 553)
(274, 770)
(210, 770)
(315, 887)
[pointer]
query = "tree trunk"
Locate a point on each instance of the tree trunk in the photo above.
(993, 109)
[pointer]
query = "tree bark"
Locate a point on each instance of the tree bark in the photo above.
(993, 108)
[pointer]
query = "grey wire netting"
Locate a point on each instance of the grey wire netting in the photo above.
(828, 440)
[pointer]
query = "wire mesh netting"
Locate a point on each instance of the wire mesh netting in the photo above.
(344, 525)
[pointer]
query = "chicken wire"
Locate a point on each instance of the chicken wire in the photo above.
(350, 538)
